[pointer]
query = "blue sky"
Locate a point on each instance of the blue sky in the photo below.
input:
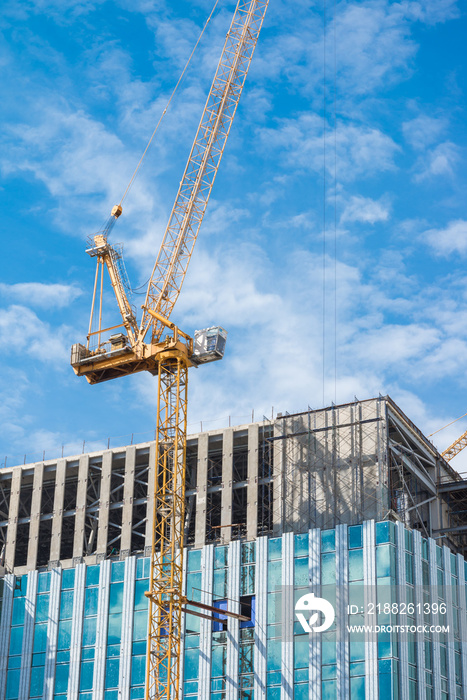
(379, 213)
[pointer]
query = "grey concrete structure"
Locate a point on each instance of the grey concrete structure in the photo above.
(340, 465)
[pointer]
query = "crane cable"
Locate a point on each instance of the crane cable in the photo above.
(447, 426)
(168, 104)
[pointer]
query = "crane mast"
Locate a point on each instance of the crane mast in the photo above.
(128, 352)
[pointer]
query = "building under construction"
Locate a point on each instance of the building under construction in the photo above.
(322, 500)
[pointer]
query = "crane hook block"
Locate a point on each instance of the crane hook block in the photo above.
(116, 211)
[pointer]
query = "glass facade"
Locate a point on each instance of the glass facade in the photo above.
(378, 577)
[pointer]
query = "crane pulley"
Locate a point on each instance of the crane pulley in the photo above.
(139, 347)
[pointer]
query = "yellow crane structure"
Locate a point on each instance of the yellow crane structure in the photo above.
(141, 346)
(456, 447)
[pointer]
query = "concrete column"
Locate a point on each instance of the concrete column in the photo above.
(101, 635)
(28, 636)
(233, 625)
(288, 616)
(449, 621)
(205, 637)
(35, 516)
(342, 601)
(201, 489)
(369, 596)
(418, 600)
(103, 529)
(150, 504)
(261, 596)
(402, 599)
(13, 519)
(314, 577)
(227, 480)
(124, 679)
(127, 513)
(5, 627)
(52, 634)
(77, 631)
(434, 621)
(252, 488)
(55, 540)
(463, 621)
(81, 497)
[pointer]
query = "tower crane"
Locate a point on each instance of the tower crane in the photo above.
(456, 447)
(140, 346)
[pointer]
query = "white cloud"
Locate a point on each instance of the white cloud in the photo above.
(452, 239)
(361, 150)
(22, 332)
(47, 296)
(440, 160)
(423, 131)
(365, 210)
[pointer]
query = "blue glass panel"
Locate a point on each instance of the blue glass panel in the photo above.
(137, 693)
(218, 660)
(141, 602)
(192, 624)
(14, 662)
(140, 567)
(300, 675)
(191, 664)
(92, 575)
(113, 650)
(357, 688)
(66, 605)
(138, 668)
(90, 601)
(275, 548)
(111, 695)
(112, 667)
(273, 694)
(274, 655)
(36, 688)
(328, 650)
(409, 540)
(43, 582)
(274, 678)
(220, 583)
(274, 575)
(42, 607)
(329, 672)
(248, 553)
(301, 651)
(114, 629)
(12, 684)
(328, 569)
(85, 696)
(358, 669)
(385, 560)
(328, 541)
(87, 670)
(88, 653)
(328, 690)
(63, 656)
(18, 611)
(190, 688)
(62, 673)
(220, 557)
(140, 625)
(116, 596)
(117, 573)
(68, 578)
(89, 631)
(191, 641)
(385, 532)
(38, 659)
(138, 648)
(194, 560)
(40, 637)
(193, 587)
(301, 572)
(16, 640)
(21, 583)
(356, 565)
(424, 548)
(301, 691)
(355, 534)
